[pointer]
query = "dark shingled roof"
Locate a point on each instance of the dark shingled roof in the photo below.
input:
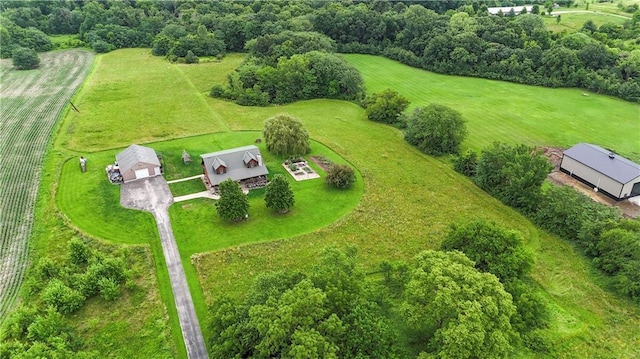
(598, 158)
(135, 154)
(233, 160)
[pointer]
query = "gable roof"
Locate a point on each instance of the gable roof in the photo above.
(217, 162)
(618, 168)
(234, 160)
(135, 154)
(247, 157)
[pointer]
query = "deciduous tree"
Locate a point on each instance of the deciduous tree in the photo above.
(513, 174)
(461, 312)
(385, 106)
(285, 135)
(494, 249)
(233, 204)
(25, 59)
(278, 195)
(436, 129)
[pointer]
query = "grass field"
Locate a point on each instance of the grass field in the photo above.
(609, 7)
(408, 199)
(572, 22)
(501, 111)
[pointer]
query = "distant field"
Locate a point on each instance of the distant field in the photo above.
(31, 104)
(502, 111)
(408, 200)
(610, 7)
(572, 22)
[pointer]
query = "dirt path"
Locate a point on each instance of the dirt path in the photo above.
(153, 195)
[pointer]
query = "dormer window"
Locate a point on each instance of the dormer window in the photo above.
(249, 160)
(219, 166)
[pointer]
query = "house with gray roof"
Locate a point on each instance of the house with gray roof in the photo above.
(241, 164)
(507, 9)
(602, 169)
(138, 162)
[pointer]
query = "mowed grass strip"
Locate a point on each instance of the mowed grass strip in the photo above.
(512, 113)
(135, 97)
(92, 203)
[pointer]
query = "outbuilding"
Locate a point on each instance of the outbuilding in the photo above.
(138, 162)
(603, 170)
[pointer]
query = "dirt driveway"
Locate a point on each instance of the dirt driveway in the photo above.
(153, 195)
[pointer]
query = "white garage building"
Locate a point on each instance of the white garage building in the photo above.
(602, 169)
(138, 162)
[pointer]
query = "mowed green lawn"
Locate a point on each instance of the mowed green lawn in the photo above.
(502, 111)
(409, 199)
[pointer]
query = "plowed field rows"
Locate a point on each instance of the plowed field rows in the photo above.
(30, 105)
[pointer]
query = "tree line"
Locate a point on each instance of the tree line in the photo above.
(515, 174)
(469, 299)
(453, 37)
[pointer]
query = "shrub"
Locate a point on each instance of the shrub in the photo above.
(25, 59)
(61, 297)
(341, 176)
(385, 106)
(466, 163)
(101, 46)
(109, 288)
(436, 130)
(78, 252)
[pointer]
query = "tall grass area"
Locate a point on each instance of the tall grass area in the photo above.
(502, 111)
(408, 199)
(138, 317)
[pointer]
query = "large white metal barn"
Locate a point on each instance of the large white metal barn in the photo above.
(602, 169)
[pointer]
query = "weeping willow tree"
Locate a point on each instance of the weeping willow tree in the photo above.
(285, 135)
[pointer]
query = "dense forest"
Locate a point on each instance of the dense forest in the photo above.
(453, 36)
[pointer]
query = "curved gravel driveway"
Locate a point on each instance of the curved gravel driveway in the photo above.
(153, 195)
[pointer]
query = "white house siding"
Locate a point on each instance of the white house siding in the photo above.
(592, 176)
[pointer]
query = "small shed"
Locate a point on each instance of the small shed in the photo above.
(138, 162)
(602, 169)
(185, 157)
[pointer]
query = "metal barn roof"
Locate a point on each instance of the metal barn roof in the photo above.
(233, 160)
(135, 154)
(604, 161)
